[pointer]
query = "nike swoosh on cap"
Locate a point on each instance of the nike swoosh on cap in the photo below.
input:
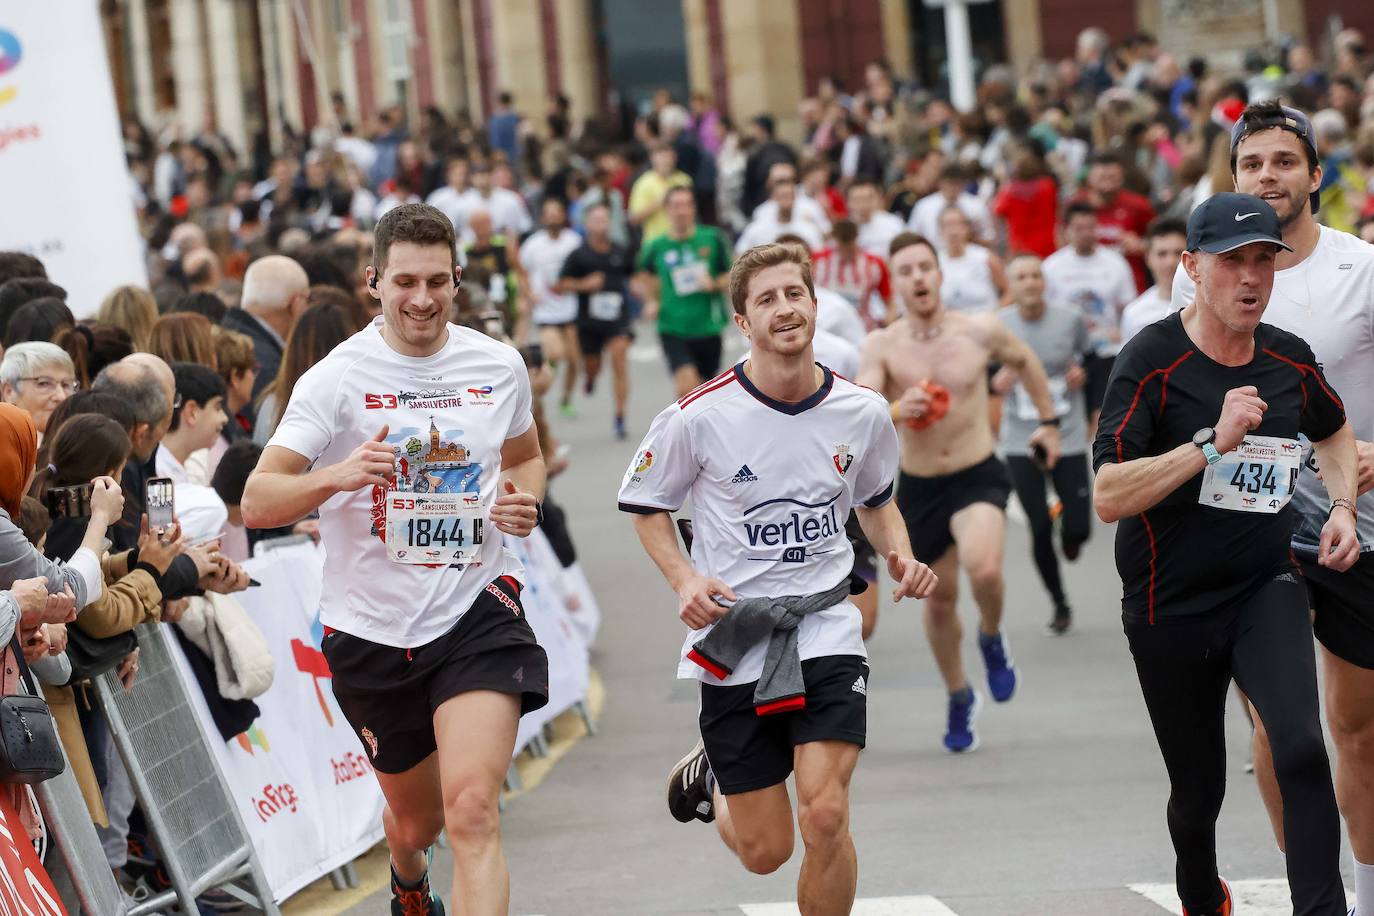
(1241, 216)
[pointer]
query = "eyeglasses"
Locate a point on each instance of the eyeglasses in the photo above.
(47, 385)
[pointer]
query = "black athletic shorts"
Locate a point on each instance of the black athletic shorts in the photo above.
(928, 503)
(1098, 369)
(865, 557)
(748, 751)
(1344, 607)
(593, 336)
(389, 695)
(702, 352)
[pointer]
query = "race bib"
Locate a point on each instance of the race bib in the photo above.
(690, 278)
(435, 528)
(604, 306)
(1257, 477)
(1059, 394)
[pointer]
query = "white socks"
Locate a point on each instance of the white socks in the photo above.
(1364, 888)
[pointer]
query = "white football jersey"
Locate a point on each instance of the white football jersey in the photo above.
(771, 485)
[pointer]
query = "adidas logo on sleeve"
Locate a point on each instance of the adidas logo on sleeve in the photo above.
(744, 475)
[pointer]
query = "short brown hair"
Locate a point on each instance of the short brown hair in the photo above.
(419, 224)
(906, 240)
(762, 257)
(233, 353)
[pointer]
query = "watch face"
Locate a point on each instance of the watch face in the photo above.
(1204, 436)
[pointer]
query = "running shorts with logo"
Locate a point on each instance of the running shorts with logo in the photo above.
(748, 751)
(1343, 603)
(929, 503)
(389, 695)
(703, 353)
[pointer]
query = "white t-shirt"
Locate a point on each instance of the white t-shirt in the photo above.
(806, 210)
(925, 216)
(968, 285)
(1328, 300)
(509, 215)
(450, 200)
(835, 314)
(876, 235)
(769, 521)
(1144, 311)
(764, 231)
(542, 256)
(1098, 285)
(449, 415)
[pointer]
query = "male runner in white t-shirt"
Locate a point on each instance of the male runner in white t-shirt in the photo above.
(554, 312)
(414, 440)
(769, 522)
(1164, 244)
(1324, 293)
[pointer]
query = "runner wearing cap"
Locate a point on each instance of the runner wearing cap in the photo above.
(1324, 293)
(932, 365)
(416, 442)
(1197, 456)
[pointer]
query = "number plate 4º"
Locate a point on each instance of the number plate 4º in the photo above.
(1259, 476)
(434, 528)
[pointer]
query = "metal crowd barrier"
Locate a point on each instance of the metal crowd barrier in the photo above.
(177, 780)
(72, 834)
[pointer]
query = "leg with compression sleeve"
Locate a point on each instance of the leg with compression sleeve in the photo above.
(1275, 665)
(1184, 678)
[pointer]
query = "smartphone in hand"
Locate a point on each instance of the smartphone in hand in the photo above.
(158, 502)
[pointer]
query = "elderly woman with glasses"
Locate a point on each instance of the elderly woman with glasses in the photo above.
(36, 377)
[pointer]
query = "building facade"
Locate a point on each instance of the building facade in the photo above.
(252, 69)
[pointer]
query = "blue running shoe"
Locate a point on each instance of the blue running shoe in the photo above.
(960, 735)
(1001, 669)
(620, 432)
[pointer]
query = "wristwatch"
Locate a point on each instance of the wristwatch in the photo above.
(1052, 421)
(1205, 439)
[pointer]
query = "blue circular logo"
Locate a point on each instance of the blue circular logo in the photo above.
(10, 52)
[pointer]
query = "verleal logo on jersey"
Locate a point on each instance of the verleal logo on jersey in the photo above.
(638, 468)
(802, 527)
(843, 459)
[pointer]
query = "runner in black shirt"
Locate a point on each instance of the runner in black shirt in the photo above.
(1197, 454)
(599, 272)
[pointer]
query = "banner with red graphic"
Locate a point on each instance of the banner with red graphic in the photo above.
(302, 779)
(24, 884)
(63, 176)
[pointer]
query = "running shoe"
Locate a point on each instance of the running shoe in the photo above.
(960, 735)
(1226, 907)
(414, 901)
(1061, 621)
(689, 792)
(620, 432)
(568, 411)
(1001, 669)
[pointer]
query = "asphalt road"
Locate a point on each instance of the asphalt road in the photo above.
(1060, 811)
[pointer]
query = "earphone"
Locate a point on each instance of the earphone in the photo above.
(373, 282)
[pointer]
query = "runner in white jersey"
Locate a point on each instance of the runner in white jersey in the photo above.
(1324, 293)
(554, 313)
(974, 277)
(414, 440)
(769, 523)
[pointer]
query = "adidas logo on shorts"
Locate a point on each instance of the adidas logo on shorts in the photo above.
(744, 475)
(860, 687)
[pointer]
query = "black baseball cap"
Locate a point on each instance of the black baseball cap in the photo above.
(1289, 119)
(1227, 221)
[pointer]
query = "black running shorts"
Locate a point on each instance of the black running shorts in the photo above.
(703, 353)
(594, 336)
(928, 503)
(1344, 606)
(389, 695)
(750, 752)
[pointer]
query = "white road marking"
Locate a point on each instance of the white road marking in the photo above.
(1267, 897)
(867, 906)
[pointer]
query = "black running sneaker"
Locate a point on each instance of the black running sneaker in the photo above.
(1062, 620)
(688, 795)
(414, 901)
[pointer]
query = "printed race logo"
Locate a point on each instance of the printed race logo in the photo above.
(482, 395)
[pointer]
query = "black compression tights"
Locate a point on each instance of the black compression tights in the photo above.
(1070, 476)
(1185, 669)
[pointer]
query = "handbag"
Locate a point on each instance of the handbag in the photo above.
(92, 656)
(29, 750)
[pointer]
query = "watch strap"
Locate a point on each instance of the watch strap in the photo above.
(1210, 452)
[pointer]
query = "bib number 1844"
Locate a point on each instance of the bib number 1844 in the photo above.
(441, 528)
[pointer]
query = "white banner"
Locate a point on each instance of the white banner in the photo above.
(63, 177)
(301, 778)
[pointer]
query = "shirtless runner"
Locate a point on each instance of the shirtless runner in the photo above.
(931, 365)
